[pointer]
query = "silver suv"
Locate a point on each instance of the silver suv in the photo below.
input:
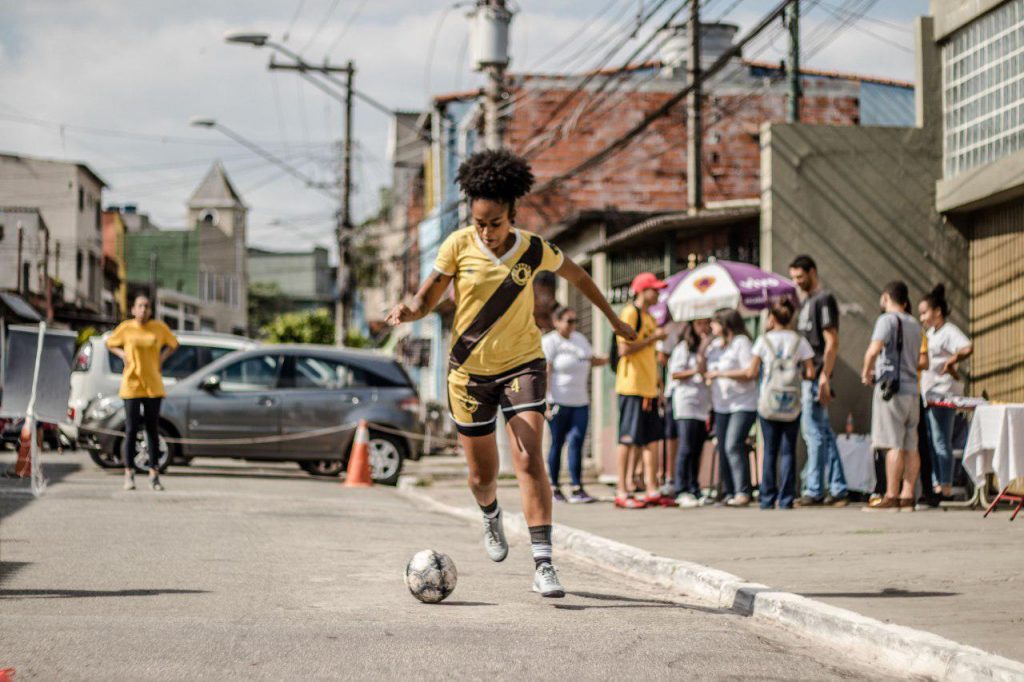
(97, 372)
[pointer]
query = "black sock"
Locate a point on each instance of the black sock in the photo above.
(540, 543)
(491, 510)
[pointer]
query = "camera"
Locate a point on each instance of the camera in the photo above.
(889, 387)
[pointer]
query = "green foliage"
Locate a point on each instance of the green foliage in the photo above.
(356, 340)
(266, 302)
(85, 334)
(313, 326)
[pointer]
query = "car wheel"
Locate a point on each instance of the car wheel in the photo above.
(386, 455)
(107, 460)
(167, 452)
(330, 468)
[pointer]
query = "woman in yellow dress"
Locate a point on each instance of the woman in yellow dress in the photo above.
(496, 360)
(143, 343)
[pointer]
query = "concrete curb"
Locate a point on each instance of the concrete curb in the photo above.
(901, 650)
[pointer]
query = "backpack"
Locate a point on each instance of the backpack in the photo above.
(780, 384)
(613, 351)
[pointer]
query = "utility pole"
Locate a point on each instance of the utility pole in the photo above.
(47, 284)
(344, 229)
(491, 20)
(21, 242)
(793, 64)
(56, 258)
(694, 125)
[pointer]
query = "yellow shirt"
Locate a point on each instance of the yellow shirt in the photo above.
(142, 344)
(494, 329)
(637, 373)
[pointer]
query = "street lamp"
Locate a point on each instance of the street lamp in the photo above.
(253, 38)
(207, 122)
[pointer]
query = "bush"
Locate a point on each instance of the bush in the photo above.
(315, 326)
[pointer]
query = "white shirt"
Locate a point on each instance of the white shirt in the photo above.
(732, 395)
(691, 398)
(943, 343)
(570, 362)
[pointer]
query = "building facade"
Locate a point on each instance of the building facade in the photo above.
(977, 78)
(68, 196)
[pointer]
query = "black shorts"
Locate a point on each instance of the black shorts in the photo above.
(473, 400)
(639, 426)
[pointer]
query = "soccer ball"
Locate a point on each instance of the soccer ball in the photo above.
(430, 576)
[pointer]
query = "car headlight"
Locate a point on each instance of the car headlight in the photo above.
(103, 408)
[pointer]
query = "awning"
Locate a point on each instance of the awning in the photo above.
(20, 307)
(679, 221)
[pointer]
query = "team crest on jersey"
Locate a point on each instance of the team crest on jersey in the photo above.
(470, 404)
(521, 273)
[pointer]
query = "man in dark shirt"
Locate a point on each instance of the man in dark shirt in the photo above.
(819, 323)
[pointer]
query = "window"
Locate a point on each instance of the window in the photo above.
(252, 374)
(81, 199)
(312, 372)
(184, 361)
(78, 264)
(216, 352)
(983, 89)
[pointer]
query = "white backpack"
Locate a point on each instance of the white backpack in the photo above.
(780, 384)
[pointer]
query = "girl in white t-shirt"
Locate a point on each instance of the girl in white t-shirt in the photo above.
(940, 380)
(733, 400)
(780, 435)
(689, 407)
(569, 358)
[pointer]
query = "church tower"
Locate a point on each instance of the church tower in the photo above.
(218, 214)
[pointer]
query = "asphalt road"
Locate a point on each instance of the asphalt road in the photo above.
(267, 574)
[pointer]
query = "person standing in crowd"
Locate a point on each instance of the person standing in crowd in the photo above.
(689, 407)
(948, 346)
(734, 401)
(143, 344)
(890, 365)
(783, 358)
(819, 324)
(638, 387)
(569, 357)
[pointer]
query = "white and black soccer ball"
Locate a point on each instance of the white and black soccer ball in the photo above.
(431, 576)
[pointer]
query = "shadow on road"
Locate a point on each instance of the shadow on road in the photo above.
(16, 493)
(76, 594)
(887, 593)
(632, 603)
(465, 603)
(245, 472)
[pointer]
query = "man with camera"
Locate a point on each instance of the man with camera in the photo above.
(890, 364)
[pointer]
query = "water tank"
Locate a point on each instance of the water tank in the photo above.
(489, 36)
(714, 40)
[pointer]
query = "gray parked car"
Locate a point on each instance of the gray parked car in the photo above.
(278, 391)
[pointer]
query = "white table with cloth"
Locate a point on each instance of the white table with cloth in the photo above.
(996, 443)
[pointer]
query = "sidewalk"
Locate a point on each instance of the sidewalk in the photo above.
(951, 573)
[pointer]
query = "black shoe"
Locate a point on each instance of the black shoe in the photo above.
(808, 501)
(557, 495)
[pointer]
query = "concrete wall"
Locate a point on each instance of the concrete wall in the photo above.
(861, 201)
(951, 15)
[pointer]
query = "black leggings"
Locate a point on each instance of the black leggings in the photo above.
(136, 411)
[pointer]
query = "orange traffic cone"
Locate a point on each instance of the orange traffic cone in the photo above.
(23, 465)
(359, 461)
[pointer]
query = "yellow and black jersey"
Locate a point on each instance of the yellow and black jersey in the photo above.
(494, 329)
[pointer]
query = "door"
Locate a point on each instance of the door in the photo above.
(246, 405)
(318, 393)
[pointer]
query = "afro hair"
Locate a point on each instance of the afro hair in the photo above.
(495, 175)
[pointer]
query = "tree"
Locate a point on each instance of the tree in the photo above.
(310, 326)
(266, 302)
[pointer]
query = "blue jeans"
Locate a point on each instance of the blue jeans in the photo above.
(940, 432)
(779, 444)
(567, 423)
(691, 433)
(822, 451)
(732, 429)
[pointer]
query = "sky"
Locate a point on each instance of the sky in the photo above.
(113, 83)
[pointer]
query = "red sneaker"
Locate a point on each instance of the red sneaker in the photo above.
(627, 502)
(660, 500)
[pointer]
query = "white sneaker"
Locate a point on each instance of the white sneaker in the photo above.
(545, 581)
(129, 480)
(494, 537)
(687, 501)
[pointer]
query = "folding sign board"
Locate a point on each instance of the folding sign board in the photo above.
(54, 384)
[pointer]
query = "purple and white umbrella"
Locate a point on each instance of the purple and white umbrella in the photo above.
(698, 293)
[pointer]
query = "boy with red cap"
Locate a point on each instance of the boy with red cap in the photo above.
(637, 383)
